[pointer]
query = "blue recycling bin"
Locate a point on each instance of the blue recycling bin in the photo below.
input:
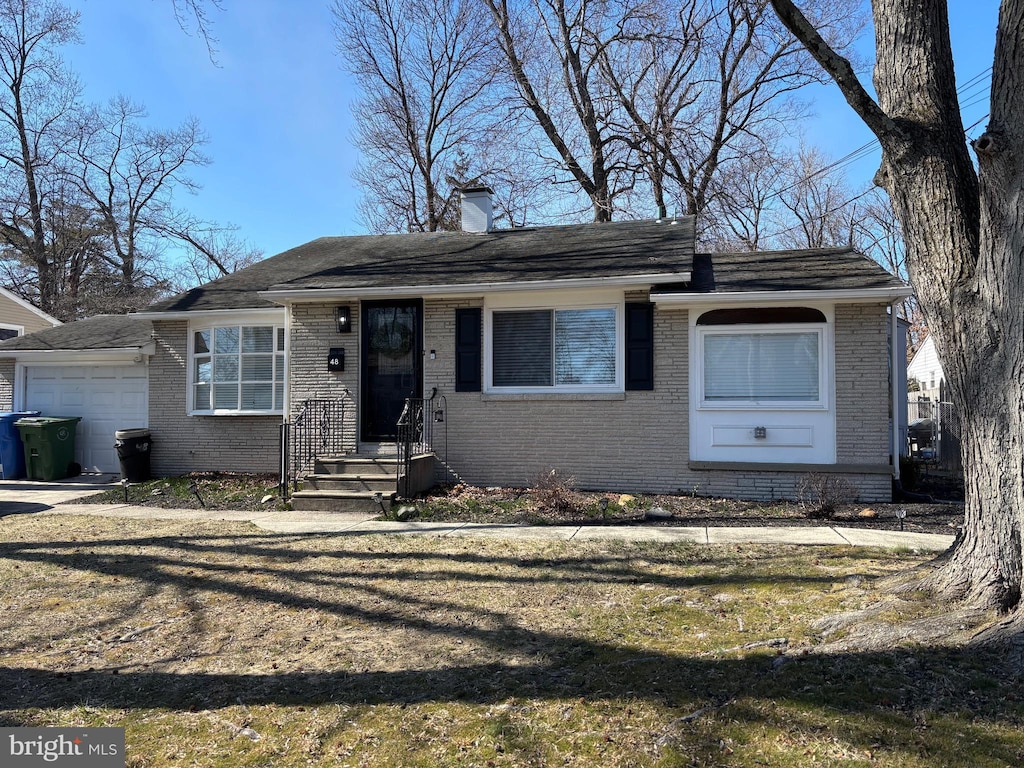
(12, 453)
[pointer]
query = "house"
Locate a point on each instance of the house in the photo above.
(18, 317)
(926, 369)
(94, 368)
(611, 352)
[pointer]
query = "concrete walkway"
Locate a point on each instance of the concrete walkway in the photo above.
(32, 497)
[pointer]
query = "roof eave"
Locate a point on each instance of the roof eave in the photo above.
(44, 355)
(190, 314)
(284, 295)
(886, 295)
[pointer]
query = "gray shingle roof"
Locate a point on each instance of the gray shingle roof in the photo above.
(617, 249)
(822, 269)
(99, 332)
(536, 254)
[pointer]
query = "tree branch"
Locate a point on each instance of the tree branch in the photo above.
(839, 69)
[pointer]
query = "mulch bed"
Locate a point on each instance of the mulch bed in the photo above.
(463, 503)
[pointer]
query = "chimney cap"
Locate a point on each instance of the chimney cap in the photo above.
(476, 188)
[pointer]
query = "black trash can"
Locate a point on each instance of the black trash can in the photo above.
(133, 447)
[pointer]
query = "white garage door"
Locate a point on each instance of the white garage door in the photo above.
(107, 397)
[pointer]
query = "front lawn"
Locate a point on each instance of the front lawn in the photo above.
(217, 644)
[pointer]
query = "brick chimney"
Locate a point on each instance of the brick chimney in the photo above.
(477, 211)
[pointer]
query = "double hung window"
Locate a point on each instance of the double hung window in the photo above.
(238, 369)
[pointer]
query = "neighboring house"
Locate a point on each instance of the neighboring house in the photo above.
(18, 317)
(610, 352)
(94, 368)
(926, 369)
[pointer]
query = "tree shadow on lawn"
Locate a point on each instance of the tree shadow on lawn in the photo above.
(379, 588)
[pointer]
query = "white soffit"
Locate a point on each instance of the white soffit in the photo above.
(784, 298)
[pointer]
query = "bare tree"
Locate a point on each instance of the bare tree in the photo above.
(745, 212)
(552, 50)
(818, 202)
(708, 86)
(129, 173)
(212, 251)
(424, 73)
(36, 97)
(193, 17)
(964, 235)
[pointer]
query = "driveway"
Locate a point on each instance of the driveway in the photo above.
(21, 496)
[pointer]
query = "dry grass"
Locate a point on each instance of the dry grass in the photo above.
(222, 645)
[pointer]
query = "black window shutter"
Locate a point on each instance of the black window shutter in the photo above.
(639, 346)
(468, 357)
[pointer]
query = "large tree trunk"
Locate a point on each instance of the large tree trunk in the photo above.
(958, 231)
(964, 234)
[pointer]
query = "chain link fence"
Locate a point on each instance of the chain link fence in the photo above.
(933, 434)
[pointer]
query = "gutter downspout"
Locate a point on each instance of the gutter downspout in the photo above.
(894, 387)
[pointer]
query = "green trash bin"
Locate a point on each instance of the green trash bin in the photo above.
(49, 446)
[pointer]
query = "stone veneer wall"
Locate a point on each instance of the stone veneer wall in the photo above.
(183, 443)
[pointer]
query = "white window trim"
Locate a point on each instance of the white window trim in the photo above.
(19, 329)
(824, 333)
(555, 301)
(277, 321)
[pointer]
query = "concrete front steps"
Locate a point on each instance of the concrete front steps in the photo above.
(348, 483)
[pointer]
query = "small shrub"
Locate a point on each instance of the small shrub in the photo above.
(821, 495)
(553, 491)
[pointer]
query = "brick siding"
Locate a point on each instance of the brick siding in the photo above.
(862, 384)
(313, 332)
(183, 443)
(635, 441)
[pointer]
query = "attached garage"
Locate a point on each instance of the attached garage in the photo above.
(107, 398)
(96, 369)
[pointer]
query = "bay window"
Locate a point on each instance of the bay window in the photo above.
(238, 369)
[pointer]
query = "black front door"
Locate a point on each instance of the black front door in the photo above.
(392, 364)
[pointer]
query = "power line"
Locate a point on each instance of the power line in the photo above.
(980, 94)
(868, 148)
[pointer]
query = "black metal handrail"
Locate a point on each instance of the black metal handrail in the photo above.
(415, 433)
(316, 429)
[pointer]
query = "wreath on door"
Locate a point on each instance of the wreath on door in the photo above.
(392, 339)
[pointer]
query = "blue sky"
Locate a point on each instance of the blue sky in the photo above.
(276, 105)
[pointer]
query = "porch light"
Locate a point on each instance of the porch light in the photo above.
(344, 317)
